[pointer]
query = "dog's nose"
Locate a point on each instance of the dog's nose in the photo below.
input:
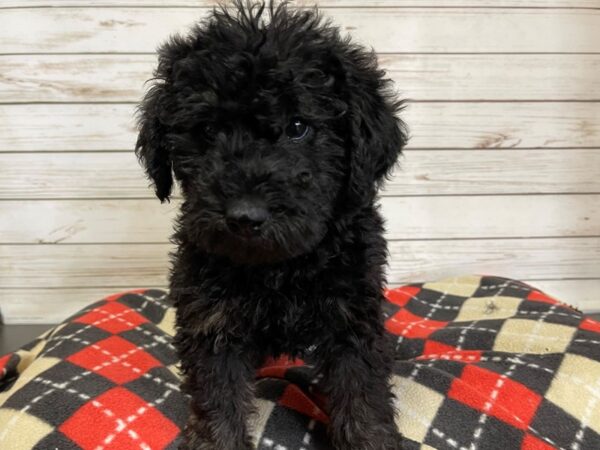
(245, 216)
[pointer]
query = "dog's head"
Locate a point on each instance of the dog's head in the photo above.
(273, 124)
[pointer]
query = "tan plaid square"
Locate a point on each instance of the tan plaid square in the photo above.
(29, 356)
(577, 375)
(531, 336)
(21, 431)
(460, 286)
(484, 308)
(417, 405)
(175, 370)
(167, 324)
(35, 367)
(258, 421)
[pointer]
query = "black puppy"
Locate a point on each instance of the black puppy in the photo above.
(280, 132)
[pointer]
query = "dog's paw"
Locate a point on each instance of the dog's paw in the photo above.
(391, 440)
(198, 443)
(209, 446)
(394, 443)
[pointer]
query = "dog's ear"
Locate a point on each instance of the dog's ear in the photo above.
(376, 135)
(151, 146)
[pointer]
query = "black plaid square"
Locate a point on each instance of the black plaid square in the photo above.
(153, 341)
(73, 338)
(160, 387)
(153, 304)
(56, 393)
(497, 286)
(435, 305)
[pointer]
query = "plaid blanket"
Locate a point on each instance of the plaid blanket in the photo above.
(483, 363)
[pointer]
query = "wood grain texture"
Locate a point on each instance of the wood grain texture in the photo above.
(522, 259)
(63, 266)
(77, 265)
(120, 78)
(480, 77)
(322, 3)
(42, 305)
(453, 172)
(503, 125)
(66, 127)
(147, 221)
(74, 78)
(86, 221)
(425, 172)
(125, 30)
(83, 127)
(72, 175)
(491, 217)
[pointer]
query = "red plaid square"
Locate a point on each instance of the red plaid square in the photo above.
(442, 350)
(112, 317)
(119, 419)
(590, 325)
(436, 348)
(116, 359)
(500, 397)
(297, 400)
(405, 323)
(402, 295)
(533, 443)
(538, 296)
(277, 367)
(4, 361)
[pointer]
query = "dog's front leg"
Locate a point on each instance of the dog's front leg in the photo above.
(356, 380)
(221, 387)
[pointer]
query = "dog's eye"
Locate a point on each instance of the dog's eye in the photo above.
(204, 130)
(297, 129)
(208, 129)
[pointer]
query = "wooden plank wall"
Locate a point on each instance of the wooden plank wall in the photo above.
(502, 174)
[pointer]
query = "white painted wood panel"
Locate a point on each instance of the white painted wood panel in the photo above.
(97, 265)
(424, 172)
(126, 30)
(503, 125)
(120, 78)
(66, 127)
(43, 305)
(447, 217)
(322, 3)
(524, 259)
(72, 175)
(492, 217)
(82, 127)
(452, 172)
(478, 77)
(74, 78)
(86, 221)
(34, 305)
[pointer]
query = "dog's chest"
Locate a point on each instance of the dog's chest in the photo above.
(272, 321)
(290, 325)
(287, 316)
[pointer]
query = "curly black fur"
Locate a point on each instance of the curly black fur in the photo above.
(310, 271)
